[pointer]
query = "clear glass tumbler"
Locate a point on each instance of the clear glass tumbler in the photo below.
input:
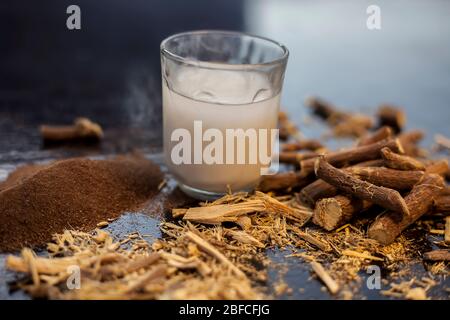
(221, 95)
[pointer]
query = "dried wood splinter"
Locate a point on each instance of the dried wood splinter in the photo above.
(332, 285)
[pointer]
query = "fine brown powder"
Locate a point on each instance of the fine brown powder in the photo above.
(40, 200)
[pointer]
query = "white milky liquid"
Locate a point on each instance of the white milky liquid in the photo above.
(245, 102)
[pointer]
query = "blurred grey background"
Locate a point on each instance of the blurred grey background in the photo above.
(109, 70)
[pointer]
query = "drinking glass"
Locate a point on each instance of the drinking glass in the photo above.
(221, 95)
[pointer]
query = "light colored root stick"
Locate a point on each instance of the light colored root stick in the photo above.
(322, 245)
(156, 273)
(389, 225)
(354, 155)
(382, 133)
(81, 129)
(357, 254)
(42, 265)
(400, 162)
(260, 202)
(447, 230)
(216, 214)
(30, 260)
(332, 285)
(384, 197)
(209, 249)
(331, 213)
(437, 255)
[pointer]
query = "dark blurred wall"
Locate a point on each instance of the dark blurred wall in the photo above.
(52, 73)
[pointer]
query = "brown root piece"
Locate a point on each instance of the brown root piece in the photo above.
(389, 225)
(82, 128)
(292, 157)
(319, 189)
(355, 125)
(442, 204)
(286, 127)
(439, 167)
(325, 110)
(382, 133)
(389, 178)
(384, 197)
(331, 213)
(437, 255)
(391, 116)
(401, 162)
(282, 181)
(410, 140)
(315, 191)
(304, 144)
(379, 176)
(354, 155)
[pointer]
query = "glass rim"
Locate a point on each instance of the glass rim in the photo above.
(222, 65)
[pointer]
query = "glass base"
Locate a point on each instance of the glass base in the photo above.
(203, 194)
(200, 194)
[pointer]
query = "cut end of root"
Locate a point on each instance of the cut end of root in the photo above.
(327, 214)
(380, 235)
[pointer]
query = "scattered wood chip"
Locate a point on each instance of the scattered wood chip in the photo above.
(332, 285)
(362, 255)
(102, 224)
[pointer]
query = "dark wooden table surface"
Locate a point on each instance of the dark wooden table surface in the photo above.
(109, 71)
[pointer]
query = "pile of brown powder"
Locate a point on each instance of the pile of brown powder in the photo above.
(38, 201)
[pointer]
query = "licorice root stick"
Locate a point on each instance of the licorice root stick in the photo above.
(384, 197)
(390, 224)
